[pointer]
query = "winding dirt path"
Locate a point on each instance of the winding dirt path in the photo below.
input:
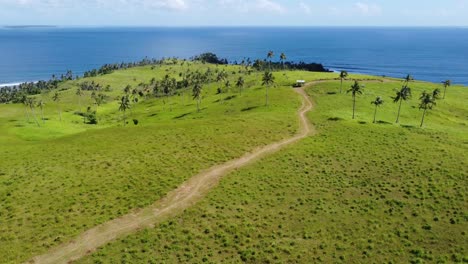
(174, 203)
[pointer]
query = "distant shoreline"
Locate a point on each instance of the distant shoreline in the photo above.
(29, 26)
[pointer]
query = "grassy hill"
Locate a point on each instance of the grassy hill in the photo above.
(355, 192)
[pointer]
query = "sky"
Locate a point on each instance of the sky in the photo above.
(235, 12)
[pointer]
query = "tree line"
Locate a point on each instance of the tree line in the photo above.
(427, 100)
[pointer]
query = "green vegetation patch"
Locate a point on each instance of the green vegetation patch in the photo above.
(61, 178)
(356, 192)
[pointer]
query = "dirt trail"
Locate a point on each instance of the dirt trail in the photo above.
(174, 203)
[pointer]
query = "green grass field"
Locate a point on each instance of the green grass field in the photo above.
(356, 192)
(62, 178)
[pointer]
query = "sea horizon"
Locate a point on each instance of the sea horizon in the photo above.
(428, 53)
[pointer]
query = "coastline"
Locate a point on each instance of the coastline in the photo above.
(12, 84)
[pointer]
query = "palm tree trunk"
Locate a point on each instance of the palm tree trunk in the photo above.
(26, 113)
(35, 118)
(424, 114)
(266, 96)
(354, 104)
(445, 90)
(124, 119)
(375, 114)
(341, 86)
(42, 114)
(198, 104)
(399, 109)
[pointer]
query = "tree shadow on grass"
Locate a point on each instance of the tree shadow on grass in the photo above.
(380, 122)
(335, 119)
(183, 115)
(230, 97)
(408, 126)
(249, 108)
(362, 122)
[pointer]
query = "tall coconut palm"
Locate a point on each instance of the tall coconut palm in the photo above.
(356, 89)
(377, 102)
(409, 78)
(270, 55)
(436, 94)
(79, 93)
(446, 84)
(99, 100)
(32, 104)
(124, 106)
(283, 58)
(343, 75)
(24, 101)
(240, 84)
(128, 88)
(267, 80)
(197, 94)
(227, 85)
(427, 101)
(402, 95)
(168, 86)
(56, 99)
(41, 105)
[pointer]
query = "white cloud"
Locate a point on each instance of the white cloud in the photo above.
(247, 6)
(368, 9)
(269, 5)
(305, 7)
(171, 5)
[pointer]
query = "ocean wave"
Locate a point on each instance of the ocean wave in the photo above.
(10, 84)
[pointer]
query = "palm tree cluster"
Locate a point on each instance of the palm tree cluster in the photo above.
(427, 100)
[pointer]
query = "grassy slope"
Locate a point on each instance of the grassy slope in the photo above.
(62, 178)
(356, 192)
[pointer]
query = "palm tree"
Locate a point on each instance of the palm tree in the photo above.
(427, 102)
(99, 100)
(41, 105)
(128, 88)
(32, 103)
(283, 58)
(270, 55)
(446, 84)
(227, 85)
(124, 105)
(377, 102)
(240, 84)
(403, 95)
(408, 78)
(221, 76)
(267, 80)
(436, 93)
(24, 101)
(356, 89)
(167, 87)
(56, 98)
(343, 75)
(197, 94)
(79, 93)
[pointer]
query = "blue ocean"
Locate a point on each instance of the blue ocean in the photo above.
(431, 54)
